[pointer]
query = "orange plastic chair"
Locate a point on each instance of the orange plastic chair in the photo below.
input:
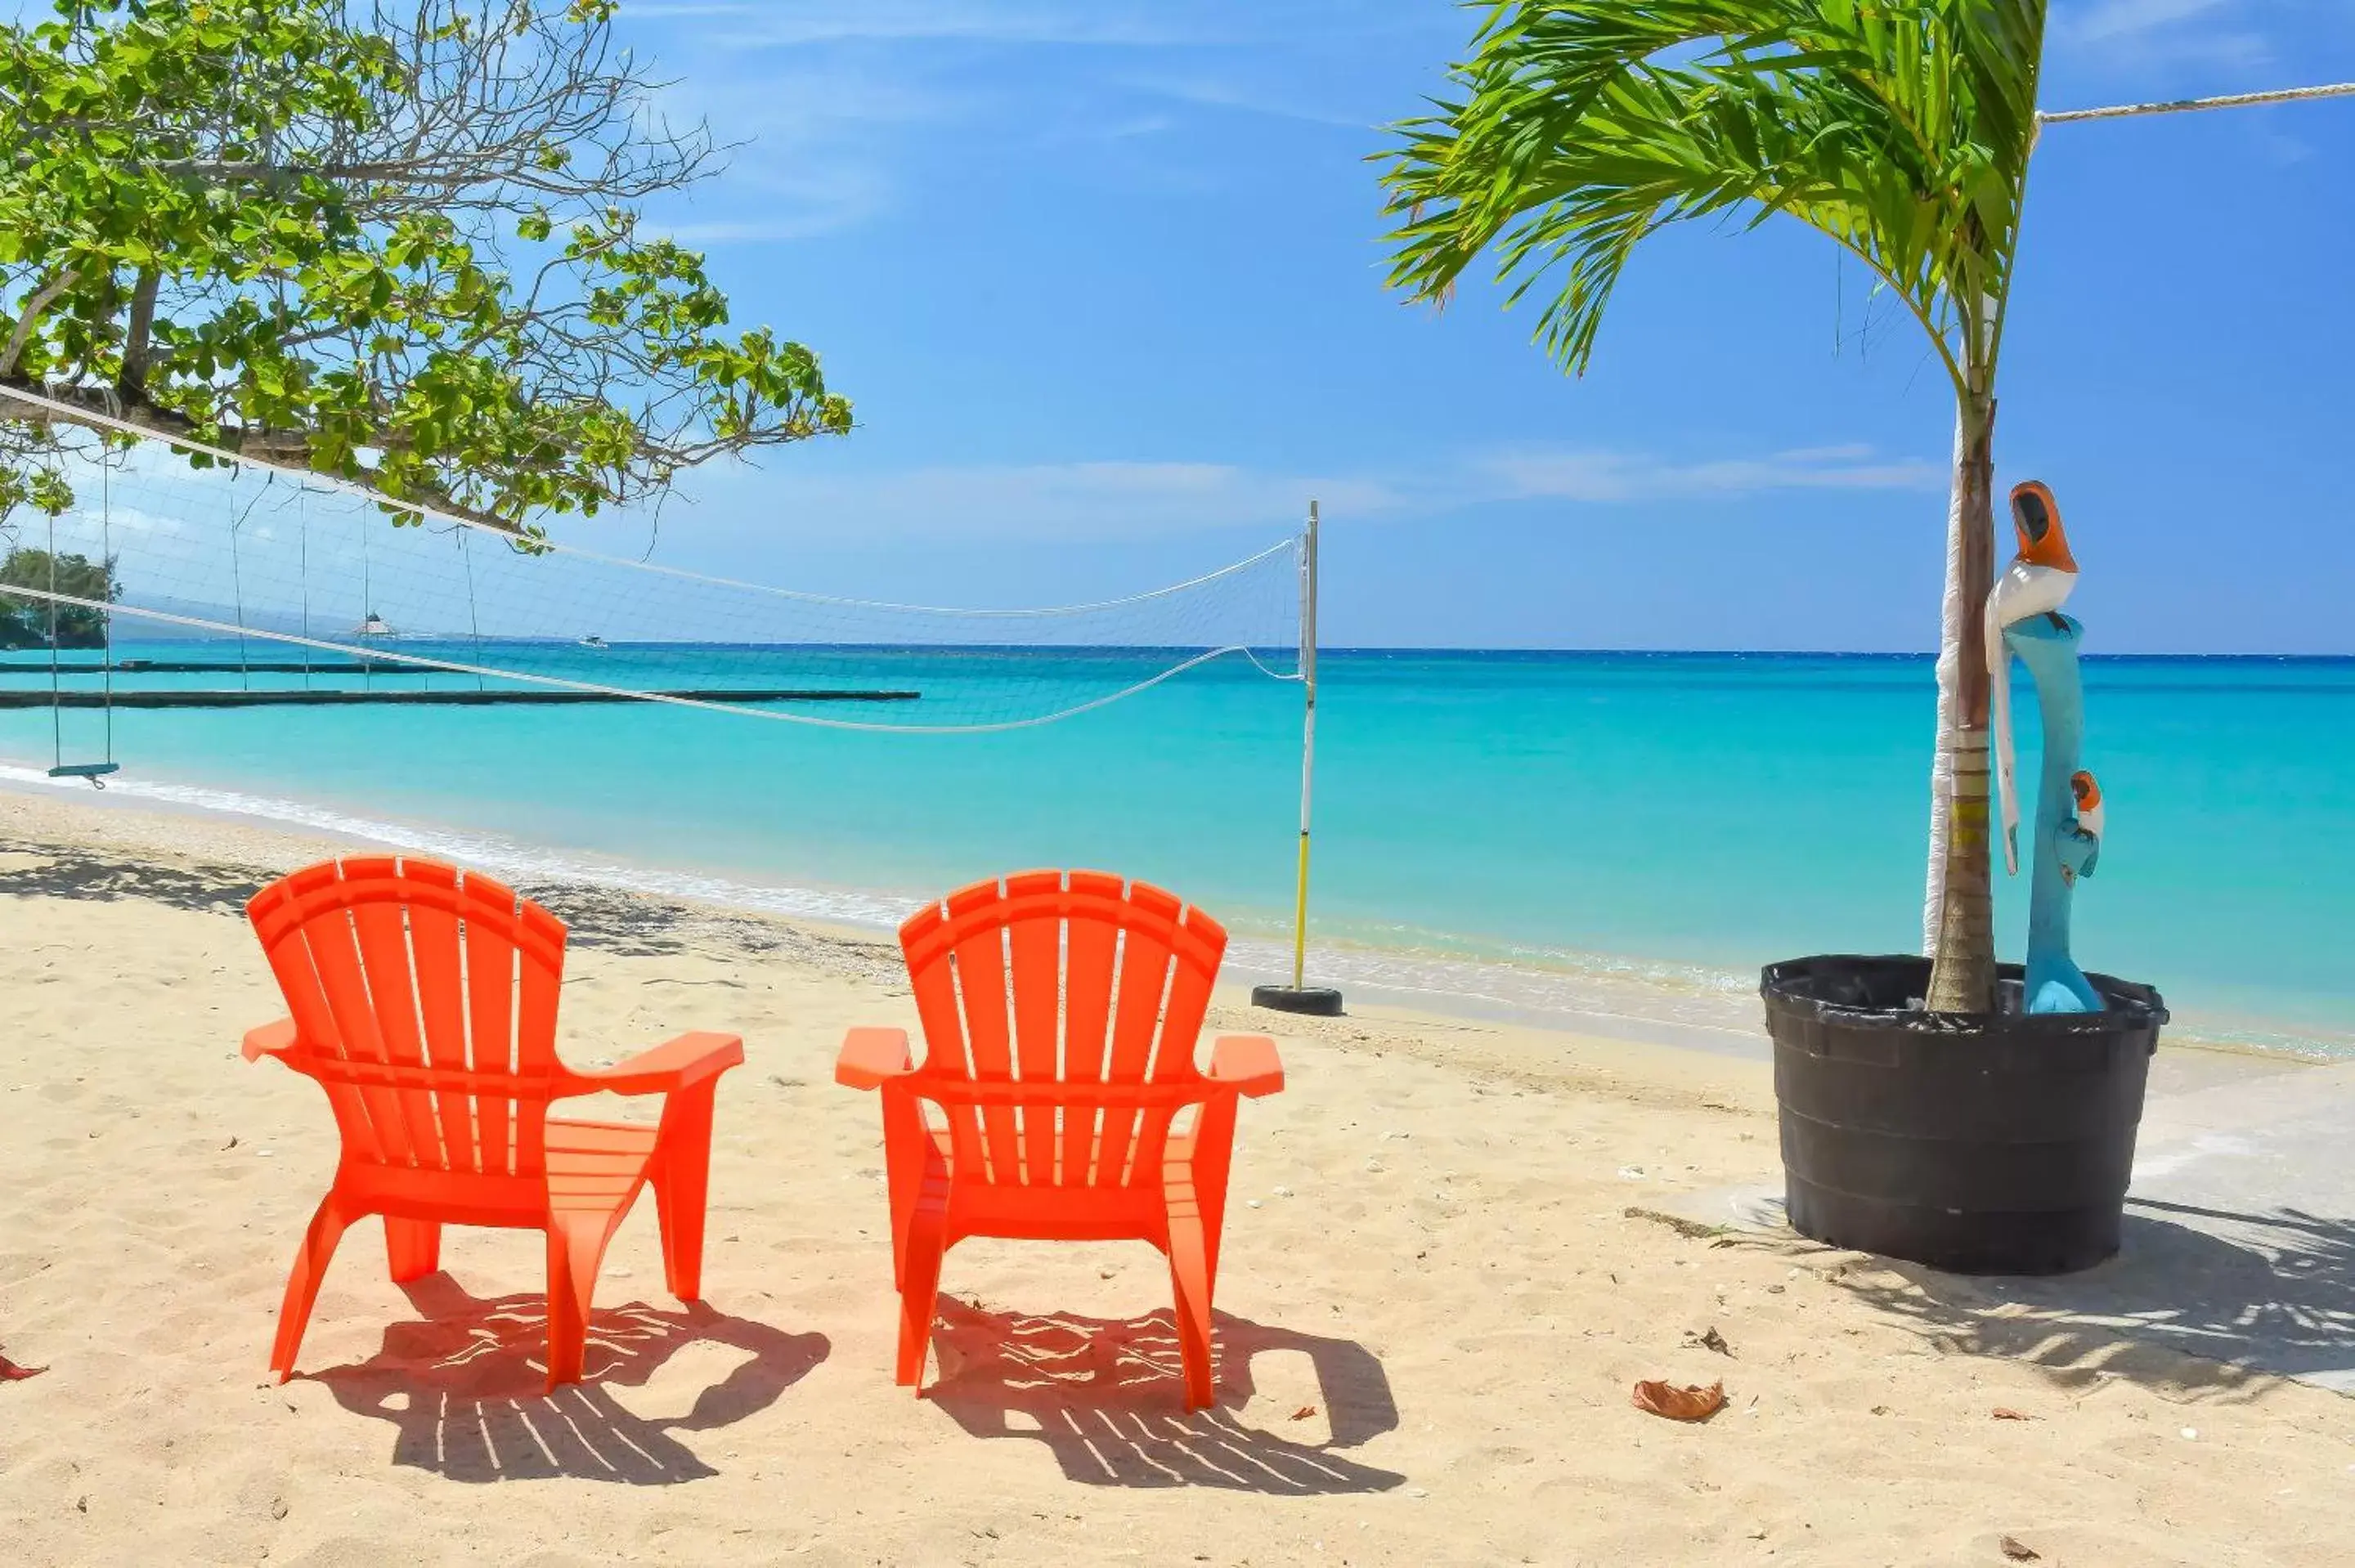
(424, 1005)
(1061, 1126)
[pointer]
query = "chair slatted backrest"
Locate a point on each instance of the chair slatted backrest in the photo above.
(424, 1002)
(1060, 1011)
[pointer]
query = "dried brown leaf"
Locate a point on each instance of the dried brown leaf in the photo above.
(2017, 1553)
(1692, 1402)
(1304, 1413)
(2005, 1412)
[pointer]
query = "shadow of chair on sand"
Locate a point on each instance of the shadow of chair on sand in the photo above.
(466, 1388)
(1107, 1397)
(2253, 1296)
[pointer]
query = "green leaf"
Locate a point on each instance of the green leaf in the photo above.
(173, 138)
(1900, 129)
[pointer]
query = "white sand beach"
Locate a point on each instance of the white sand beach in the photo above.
(1440, 1285)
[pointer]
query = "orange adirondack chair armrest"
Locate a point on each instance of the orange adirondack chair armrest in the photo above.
(673, 1064)
(871, 1057)
(1247, 1063)
(270, 1040)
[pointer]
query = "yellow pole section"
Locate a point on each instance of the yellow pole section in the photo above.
(1308, 742)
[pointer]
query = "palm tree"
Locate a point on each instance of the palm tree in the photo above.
(1901, 129)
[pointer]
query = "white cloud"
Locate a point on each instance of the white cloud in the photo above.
(95, 521)
(139, 521)
(2281, 149)
(902, 21)
(1608, 476)
(2140, 36)
(1214, 92)
(753, 231)
(689, 10)
(1120, 500)
(809, 150)
(839, 107)
(1850, 452)
(1049, 501)
(2124, 18)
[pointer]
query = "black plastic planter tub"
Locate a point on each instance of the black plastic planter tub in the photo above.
(1980, 1144)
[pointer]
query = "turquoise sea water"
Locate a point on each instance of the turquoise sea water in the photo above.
(1555, 833)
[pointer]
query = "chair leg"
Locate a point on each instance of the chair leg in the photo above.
(681, 1177)
(919, 1288)
(1189, 1281)
(575, 1248)
(909, 1166)
(1214, 1146)
(413, 1247)
(328, 1226)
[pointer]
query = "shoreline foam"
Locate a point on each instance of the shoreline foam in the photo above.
(1656, 1002)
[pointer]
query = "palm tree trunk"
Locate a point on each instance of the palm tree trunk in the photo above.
(1961, 904)
(1950, 654)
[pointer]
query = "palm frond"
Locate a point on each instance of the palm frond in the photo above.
(1577, 128)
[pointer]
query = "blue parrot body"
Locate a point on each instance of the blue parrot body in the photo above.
(2079, 850)
(2066, 848)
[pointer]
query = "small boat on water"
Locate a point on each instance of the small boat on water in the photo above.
(594, 640)
(374, 625)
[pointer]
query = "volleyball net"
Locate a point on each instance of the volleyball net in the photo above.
(243, 584)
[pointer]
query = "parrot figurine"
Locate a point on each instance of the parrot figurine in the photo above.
(2079, 839)
(2037, 582)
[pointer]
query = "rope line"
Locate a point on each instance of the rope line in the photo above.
(306, 477)
(2187, 105)
(203, 623)
(1272, 675)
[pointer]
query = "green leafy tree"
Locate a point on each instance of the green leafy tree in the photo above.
(1898, 128)
(26, 621)
(399, 242)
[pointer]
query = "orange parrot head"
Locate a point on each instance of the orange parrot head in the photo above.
(2088, 793)
(2036, 517)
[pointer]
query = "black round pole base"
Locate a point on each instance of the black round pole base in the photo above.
(1321, 1001)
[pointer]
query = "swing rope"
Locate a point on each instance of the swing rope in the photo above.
(302, 523)
(237, 588)
(106, 617)
(474, 617)
(58, 766)
(368, 612)
(56, 703)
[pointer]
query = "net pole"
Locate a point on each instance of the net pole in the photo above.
(106, 591)
(1308, 745)
(56, 695)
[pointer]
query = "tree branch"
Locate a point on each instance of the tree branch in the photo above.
(132, 383)
(93, 410)
(41, 301)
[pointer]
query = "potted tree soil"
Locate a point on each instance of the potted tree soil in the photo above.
(1926, 1113)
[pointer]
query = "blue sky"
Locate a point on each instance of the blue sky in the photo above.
(1105, 282)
